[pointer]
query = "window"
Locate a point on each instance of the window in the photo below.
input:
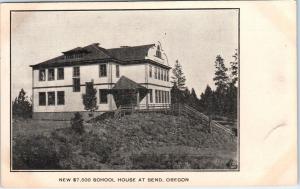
(51, 74)
(167, 75)
(42, 98)
(151, 96)
(76, 84)
(158, 94)
(161, 74)
(168, 97)
(158, 52)
(158, 73)
(163, 97)
(76, 72)
(60, 73)
(155, 73)
(51, 98)
(60, 97)
(103, 71)
(103, 96)
(156, 97)
(117, 71)
(42, 75)
(150, 71)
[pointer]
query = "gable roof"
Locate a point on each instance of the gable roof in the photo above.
(126, 83)
(95, 53)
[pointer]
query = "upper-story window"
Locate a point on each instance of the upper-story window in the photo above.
(60, 73)
(167, 75)
(103, 70)
(150, 71)
(76, 71)
(158, 73)
(42, 75)
(155, 72)
(117, 71)
(51, 74)
(158, 52)
(162, 74)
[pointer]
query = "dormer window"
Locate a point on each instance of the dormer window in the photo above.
(72, 56)
(158, 52)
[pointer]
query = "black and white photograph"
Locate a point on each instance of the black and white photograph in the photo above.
(125, 90)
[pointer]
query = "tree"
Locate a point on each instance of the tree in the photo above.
(178, 76)
(89, 98)
(208, 101)
(221, 78)
(234, 68)
(22, 107)
(193, 93)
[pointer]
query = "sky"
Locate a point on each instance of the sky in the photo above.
(193, 37)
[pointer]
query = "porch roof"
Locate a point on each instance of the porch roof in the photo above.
(126, 83)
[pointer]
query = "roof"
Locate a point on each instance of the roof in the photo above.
(93, 53)
(130, 53)
(126, 83)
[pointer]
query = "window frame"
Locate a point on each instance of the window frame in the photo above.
(48, 97)
(58, 97)
(52, 78)
(100, 74)
(76, 84)
(58, 73)
(40, 71)
(167, 75)
(100, 96)
(45, 99)
(151, 96)
(150, 71)
(75, 72)
(158, 74)
(117, 71)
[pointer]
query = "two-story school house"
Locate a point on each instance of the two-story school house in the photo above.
(125, 76)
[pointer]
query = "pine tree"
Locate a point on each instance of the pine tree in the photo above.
(178, 76)
(207, 100)
(193, 93)
(221, 78)
(90, 99)
(234, 68)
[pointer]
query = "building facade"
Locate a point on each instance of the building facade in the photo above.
(136, 76)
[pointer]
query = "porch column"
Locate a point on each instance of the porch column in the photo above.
(138, 99)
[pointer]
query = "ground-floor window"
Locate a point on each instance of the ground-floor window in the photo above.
(162, 96)
(103, 96)
(51, 98)
(76, 84)
(42, 98)
(151, 96)
(60, 97)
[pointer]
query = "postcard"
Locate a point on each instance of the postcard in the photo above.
(148, 94)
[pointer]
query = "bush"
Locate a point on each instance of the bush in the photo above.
(77, 123)
(34, 152)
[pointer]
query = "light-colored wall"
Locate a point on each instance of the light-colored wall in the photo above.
(73, 100)
(87, 72)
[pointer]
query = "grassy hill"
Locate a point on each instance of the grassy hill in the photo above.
(136, 141)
